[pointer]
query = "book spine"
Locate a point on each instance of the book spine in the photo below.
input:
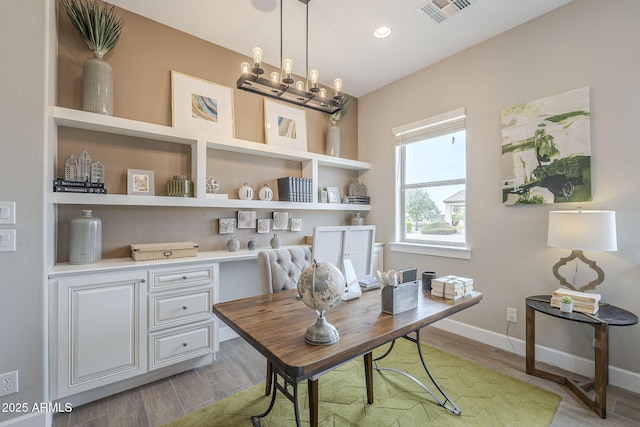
(63, 183)
(284, 189)
(64, 189)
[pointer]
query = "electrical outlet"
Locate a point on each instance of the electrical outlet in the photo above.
(512, 315)
(8, 383)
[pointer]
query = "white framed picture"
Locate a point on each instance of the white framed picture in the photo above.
(226, 225)
(140, 182)
(201, 106)
(246, 219)
(281, 220)
(264, 225)
(333, 194)
(285, 126)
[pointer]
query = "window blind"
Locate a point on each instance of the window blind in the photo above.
(431, 127)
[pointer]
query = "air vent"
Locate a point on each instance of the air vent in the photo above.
(441, 10)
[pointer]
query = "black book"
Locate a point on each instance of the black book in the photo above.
(285, 189)
(66, 189)
(64, 183)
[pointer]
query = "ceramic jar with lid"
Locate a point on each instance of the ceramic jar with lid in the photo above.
(357, 219)
(245, 192)
(275, 242)
(85, 240)
(252, 245)
(233, 244)
(265, 193)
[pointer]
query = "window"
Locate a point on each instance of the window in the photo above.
(431, 156)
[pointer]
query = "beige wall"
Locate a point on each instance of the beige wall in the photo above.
(142, 62)
(585, 43)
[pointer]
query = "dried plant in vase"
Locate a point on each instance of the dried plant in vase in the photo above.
(333, 133)
(100, 29)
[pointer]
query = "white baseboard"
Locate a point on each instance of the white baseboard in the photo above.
(619, 377)
(34, 419)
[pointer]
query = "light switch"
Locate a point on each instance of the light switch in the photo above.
(7, 212)
(7, 240)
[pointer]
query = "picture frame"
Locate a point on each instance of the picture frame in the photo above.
(296, 224)
(226, 225)
(246, 219)
(285, 126)
(333, 195)
(281, 220)
(264, 225)
(200, 105)
(140, 182)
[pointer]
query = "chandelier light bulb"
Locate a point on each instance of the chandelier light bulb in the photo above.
(275, 77)
(300, 85)
(287, 69)
(323, 92)
(313, 81)
(257, 56)
(245, 67)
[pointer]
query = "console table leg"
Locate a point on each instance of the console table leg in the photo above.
(601, 369)
(531, 339)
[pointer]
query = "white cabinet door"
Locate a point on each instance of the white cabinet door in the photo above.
(99, 330)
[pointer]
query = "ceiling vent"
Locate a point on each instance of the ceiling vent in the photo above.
(441, 10)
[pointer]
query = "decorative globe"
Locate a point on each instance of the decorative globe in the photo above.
(321, 286)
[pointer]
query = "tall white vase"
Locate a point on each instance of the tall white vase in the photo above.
(333, 141)
(97, 96)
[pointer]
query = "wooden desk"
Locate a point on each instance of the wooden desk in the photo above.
(275, 324)
(606, 315)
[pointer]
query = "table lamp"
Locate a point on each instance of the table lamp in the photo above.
(582, 230)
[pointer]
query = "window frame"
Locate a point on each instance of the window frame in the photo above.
(439, 125)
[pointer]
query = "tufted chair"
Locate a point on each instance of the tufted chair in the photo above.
(280, 269)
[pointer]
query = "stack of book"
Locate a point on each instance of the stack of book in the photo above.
(295, 189)
(359, 200)
(63, 186)
(368, 283)
(582, 301)
(451, 287)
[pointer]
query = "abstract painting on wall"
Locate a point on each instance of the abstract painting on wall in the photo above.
(546, 150)
(285, 126)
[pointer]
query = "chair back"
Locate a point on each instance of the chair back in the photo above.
(280, 269)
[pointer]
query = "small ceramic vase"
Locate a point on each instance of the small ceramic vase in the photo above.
(357, 220)
(275, 242)
(345, 200)
(233, 245)
(265, 193)
(245, 192)
(252, 245)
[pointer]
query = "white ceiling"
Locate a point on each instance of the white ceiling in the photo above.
(341, 42)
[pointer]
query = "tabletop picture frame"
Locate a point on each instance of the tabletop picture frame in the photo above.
(285, 126)
(333, 195)
(201, 106)
(140, 182)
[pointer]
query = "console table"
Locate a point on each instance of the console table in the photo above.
(607, 315)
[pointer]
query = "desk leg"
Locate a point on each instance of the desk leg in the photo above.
(368, 373)
(601, 369)
(313, 402)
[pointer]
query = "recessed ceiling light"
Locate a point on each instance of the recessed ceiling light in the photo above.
(382, 32)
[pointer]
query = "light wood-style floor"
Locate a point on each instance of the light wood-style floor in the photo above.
(239, 366)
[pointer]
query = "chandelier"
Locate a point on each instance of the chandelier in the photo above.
(281, 85)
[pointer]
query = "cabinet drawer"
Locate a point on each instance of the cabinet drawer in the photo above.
(173, 309)
(177, 277)
(174, 346)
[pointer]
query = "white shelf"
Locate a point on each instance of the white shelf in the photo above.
(200, 143)
(125, 200)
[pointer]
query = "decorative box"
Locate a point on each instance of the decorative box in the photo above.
(157, 251)
(451, 287)
(400, 298)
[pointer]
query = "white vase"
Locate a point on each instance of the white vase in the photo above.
(333, 141)
(97, 95)
(85, 239)
(566, 307)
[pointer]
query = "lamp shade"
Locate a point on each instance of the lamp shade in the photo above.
(583, 230)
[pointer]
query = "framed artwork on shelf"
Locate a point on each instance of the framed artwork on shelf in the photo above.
(296, 224)
(246, 219)
(264, 225)
(140, 182)
(285, 126)
(333, 195)
(201, 106)
(281, 220)
(226, 225)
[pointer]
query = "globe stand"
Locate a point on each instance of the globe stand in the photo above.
(321, 332)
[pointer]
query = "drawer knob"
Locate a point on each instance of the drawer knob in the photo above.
(184, 344)
(184, 277)
(184, 307)
(143, 280)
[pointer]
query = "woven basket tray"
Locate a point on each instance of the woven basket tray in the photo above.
(157, 251)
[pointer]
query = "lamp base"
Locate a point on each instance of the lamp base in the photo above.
(592, 265)
(321, 332)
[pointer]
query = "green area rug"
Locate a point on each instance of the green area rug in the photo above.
(485, 397)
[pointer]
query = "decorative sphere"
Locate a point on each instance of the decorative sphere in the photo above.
(329, 286)
(213, 186)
